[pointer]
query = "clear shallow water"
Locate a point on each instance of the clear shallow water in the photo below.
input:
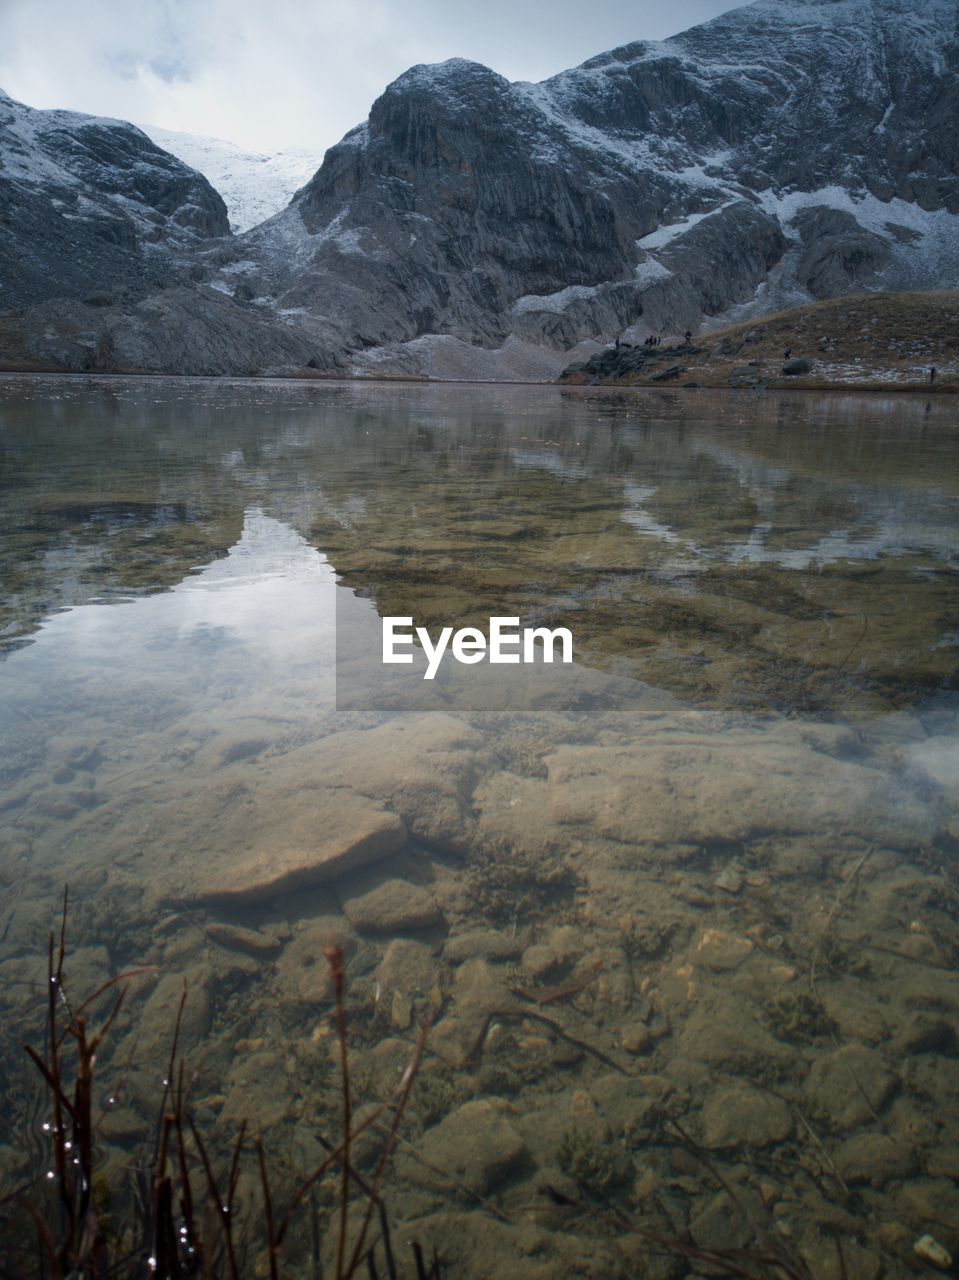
(729, 829)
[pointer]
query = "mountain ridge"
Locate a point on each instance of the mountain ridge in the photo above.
(89, 203)
(776, 154)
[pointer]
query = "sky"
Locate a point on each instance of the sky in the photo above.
(279, 74)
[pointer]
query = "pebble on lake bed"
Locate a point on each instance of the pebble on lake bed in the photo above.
(719, 950)
(931, 1251)
(250, 940)
(637, 1039)
(730, 880)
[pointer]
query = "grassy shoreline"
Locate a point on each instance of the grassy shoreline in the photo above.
(863, 342)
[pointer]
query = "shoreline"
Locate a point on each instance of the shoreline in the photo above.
(778, 384)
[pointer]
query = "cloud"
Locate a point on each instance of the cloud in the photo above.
(290, 73)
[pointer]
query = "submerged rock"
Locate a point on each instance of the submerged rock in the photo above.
(303, 971)
(930, 1250)
(477, 1146)
(730, 880)
(719, 951)
(396, 906)
(348, 832)
(250, 940)
(485, 944)
(422, 767)
(722, 1225)
(849, 1086)
(258, 1085)
(744, 1116)
(704, 789)
(874, 1158)
(932, 1204)
(407, 966)
(723, 1031)
(158, 1017)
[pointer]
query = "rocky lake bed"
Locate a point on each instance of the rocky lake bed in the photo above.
(682, 922)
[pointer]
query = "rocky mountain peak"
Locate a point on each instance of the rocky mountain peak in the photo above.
(90, 204)
(455, 75)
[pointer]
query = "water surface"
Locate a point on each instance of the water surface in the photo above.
(717, 850)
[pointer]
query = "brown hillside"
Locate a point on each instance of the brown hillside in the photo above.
(875, 339)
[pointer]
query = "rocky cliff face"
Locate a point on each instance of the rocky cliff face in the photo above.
(789, 150)
(90, 206)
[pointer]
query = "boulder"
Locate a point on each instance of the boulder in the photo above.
(699, 788)
(156, 1021)
(340, 832)
(422, 767)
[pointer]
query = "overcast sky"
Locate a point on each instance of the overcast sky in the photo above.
(274, 74)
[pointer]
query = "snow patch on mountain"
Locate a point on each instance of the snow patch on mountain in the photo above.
(651, 272)
(926, 241)
(663, 235)
(254, 185)
(554, 302)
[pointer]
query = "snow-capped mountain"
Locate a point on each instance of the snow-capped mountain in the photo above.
(254, 185)
(89, 204)
(786, 151)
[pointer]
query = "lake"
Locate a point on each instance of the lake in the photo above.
(680, 914)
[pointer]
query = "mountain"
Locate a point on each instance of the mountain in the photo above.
(786, 151)
(254, 185)
(89, 204)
